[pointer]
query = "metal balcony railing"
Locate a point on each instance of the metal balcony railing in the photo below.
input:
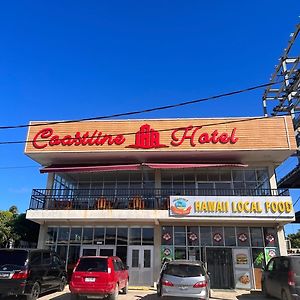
(48, 199)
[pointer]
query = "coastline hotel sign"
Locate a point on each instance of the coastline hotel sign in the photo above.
(231, 206)
(145, 138)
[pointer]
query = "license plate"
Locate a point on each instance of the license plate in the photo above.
(90, 279)
(4, 275)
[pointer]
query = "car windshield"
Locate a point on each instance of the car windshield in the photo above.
(12, 260)
(184, 270)
(92, 264)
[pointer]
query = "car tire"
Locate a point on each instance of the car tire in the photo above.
(284, 296)
(125, 289)
(114, 296)
(35, 292)
(158, 292)
(62, 284)
(264, 291)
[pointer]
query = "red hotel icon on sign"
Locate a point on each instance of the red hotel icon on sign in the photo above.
(147, 138)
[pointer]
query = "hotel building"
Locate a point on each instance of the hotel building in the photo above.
(151, 190)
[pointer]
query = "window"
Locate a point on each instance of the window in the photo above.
(63, 235)
(99, 236)
(230, 237)
(193, 235)
(284, 265)
(92, 264)
(256, 237)
(167, 235)
(75, 236)
(121, 252)
(180, 252)
(116, 265)
(87, 235)
(74, 252)
(36, 258)
(270, 266)
(122, 236)
(205, 235)
(56, 260)
(218, 236)
(46, 258)
(243, 236)
(147, 258)
(179, 235)
(148, 236)
(51, 235)
(135, 236)
(110, 237)
(270, 237)
(258, 257)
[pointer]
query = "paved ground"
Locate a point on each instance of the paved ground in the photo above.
(151, 295)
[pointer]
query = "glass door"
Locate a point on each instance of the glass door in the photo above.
(140, 262)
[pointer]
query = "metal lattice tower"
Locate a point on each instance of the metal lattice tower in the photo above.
(283, 97)
(286, 81)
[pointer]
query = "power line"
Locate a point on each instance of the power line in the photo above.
(158, 130)
(18, 167)
(158, 108)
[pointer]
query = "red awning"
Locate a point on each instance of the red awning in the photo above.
(79, 169)
(189, 166)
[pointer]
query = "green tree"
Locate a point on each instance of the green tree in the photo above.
(6, 232)
(295, 239)
(14, 227)
(25, 230)
(14, 210)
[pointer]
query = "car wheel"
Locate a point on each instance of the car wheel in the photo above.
(264, 290)
(284, 296)
(125, 289)
(62, 284)
(35, 292)
(158, 291)
(114, 296)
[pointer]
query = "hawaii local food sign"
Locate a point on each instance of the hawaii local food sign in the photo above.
(231, 206)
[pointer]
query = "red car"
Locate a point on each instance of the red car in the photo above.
(99, 276)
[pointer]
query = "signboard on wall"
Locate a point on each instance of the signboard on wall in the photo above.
(231, 206)
(161, 135)
(242, 267)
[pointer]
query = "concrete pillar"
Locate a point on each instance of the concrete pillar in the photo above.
(42, 236)
(281, 240)
(272, 176)
(50, 180)
(156, 254)
(157, 179)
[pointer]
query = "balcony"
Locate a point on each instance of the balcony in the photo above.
(133, 199)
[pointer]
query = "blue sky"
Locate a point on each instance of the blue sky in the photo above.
(76, 59)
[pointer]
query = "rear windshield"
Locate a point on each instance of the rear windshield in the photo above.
(91, 264)
(12, 260)
(184, 270)
(296, 265)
